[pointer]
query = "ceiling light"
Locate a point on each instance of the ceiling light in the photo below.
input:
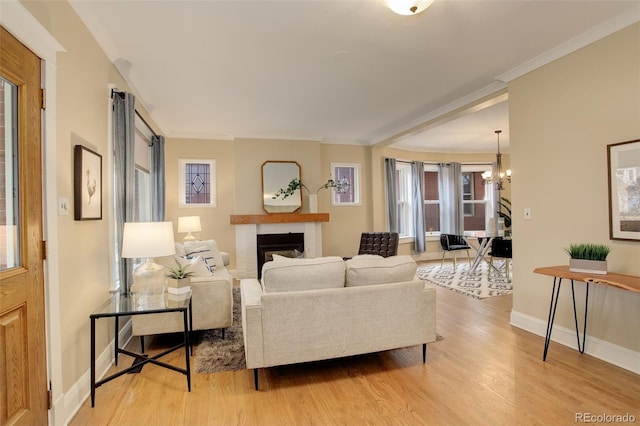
(408, 7)
(497, 177)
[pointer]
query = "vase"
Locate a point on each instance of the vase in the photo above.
(313, 203)
(178, 286)
(588, 266)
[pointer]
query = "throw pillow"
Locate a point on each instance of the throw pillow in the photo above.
(277, 257)
(196, 265)
(217, 256)
(200, 248)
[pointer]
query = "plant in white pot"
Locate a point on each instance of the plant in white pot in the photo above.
(179, 279)
(588, 258)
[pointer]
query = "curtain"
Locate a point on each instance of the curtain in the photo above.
(417, 198)
(124, 176)
(451, 210)
(392, 207)
(493, 197)
(157, 179)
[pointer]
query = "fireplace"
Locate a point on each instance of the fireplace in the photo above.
(282, 244)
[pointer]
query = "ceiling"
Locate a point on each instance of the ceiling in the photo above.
(348, 71)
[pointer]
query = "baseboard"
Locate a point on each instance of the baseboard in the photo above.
(601, 349)
(69, 403)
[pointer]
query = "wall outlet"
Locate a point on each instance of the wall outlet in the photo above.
(63, 206)
(527, 213)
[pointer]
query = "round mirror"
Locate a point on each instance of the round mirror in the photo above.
(277, 175)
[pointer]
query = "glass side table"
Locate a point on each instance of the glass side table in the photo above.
(127, 305)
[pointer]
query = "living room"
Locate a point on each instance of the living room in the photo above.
(561, 116)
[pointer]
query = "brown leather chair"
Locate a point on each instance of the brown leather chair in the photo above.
(384, 244)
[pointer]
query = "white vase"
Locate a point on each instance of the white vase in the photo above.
(313, 203)
(588, 266)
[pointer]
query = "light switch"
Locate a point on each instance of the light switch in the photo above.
(527, 213)
(63, 206)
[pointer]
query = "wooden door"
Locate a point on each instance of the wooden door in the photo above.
(23, 377)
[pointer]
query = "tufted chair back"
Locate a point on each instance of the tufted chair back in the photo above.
(384, 244)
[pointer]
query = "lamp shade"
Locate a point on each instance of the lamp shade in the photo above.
(408, 7)
(189, 224)
(147, 239)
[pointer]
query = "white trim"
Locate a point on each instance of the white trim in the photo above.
(68, 404)
(596, 33)
(601, 349)
(26, 28)
(23, 26)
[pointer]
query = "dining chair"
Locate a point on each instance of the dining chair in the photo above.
(501, 248)
(453, 243)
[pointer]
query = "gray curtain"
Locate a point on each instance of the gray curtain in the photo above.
(157, 179)
(124, 176)
(392, 198)
(451, 210)
(417, 200)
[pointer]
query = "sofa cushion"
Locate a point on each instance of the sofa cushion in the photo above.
(201, 248)
(195, 265)
(303, 274)
(369, 271)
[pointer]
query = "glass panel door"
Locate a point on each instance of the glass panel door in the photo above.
(9, 214)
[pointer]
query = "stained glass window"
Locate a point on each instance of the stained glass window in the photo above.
(197, 183)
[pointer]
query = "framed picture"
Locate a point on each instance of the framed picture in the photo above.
(347, 179)
(624, 190)
(87, 184)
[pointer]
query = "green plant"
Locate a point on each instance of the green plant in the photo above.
(179, 272)
(588, 251)
(295, 183)
(504, 211)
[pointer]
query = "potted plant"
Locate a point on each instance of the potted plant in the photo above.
(340, 187)
(589, 258)
(179, 279)
(504, 212)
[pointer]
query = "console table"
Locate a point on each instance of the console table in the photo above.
(119, 306)
(625, 282)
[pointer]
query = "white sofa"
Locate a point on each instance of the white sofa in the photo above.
(211, 294)
(314, 309)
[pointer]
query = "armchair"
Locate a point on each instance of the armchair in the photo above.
(384, 244)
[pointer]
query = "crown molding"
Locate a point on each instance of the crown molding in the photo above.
(596, 33)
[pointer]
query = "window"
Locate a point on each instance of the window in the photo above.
(197, 183)
(431, 200)
(474, 197)
(403, 192)
(347, 179)
(142, 184)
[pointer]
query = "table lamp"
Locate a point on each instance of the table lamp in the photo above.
(148, 240)
(189, 224)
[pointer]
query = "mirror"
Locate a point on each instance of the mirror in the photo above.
(277, 175)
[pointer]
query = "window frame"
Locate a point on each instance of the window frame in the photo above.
(182, 165)
(354, 186)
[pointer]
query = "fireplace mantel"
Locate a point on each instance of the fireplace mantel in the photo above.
(248, 226)
(248, 219)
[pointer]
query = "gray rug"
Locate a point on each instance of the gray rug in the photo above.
(212, 353)
(476, 284)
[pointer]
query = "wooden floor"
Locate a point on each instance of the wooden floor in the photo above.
(484, 372)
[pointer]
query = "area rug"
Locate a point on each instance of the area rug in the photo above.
(476, 284)
(213, 353)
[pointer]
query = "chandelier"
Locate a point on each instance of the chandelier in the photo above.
(497, 176)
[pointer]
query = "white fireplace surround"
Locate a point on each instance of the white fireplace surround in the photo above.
(247, 245)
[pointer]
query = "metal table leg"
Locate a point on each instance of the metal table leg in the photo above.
(93, 361)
